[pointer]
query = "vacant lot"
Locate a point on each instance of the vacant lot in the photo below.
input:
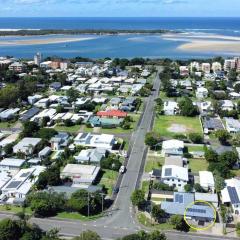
(168, 126)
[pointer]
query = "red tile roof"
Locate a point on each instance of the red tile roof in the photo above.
(112, 113)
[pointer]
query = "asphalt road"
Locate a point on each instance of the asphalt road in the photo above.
(119, 220)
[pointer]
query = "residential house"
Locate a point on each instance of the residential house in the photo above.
(172, 147)
(231, 194)
(170, 108)
(232, 125)
(227, 105)
(106, 141)
(175, 176)
(60, 141)
(80, 174)
(11, 164)
(112, 114)
(26, 145)
(207, 181)
(91, 156)
(183, 201)
(201, 93)
(45, 152)
(211, 124)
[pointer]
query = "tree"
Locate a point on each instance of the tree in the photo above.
(223, 136)
(88, 235)
(112, 162)
(152, 139)
(45, 204)
(68, 123)
(29, 129)
(178, 223)
(158, 213)
(211, 155)
(232, 75)
(187, 108)
(50, 177)
(80, 200)
(230, 158)
(46, 133)
(137, 198)
(156, 235)
(219, 182)
(10, 229)
(198, 188)
(196, 137)
(72, 94)
(8, 149)
(188, 188)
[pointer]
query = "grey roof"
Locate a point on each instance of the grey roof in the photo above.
(55, 85)
(212, 123)
(168, 172)
(29, 114)
(181, 203)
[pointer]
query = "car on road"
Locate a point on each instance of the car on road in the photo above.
(116, 190)
(122, 169)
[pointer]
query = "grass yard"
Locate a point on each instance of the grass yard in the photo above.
(166, 125)
(77, 216)
(195, 148)
(147, 222)
(197, 165)
(145, 186)
(153, 162)
(6, 124)
(15, 209)
(72, 129)
(109, 179)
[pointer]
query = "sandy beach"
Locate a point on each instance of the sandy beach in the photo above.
(38, 41)
(206, 43)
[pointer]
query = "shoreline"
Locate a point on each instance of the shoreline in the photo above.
(28, 42)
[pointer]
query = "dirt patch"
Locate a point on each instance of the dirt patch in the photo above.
(178, 128)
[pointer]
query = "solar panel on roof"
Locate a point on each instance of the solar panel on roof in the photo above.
(13, 184)
(195, 210)
(168, 172)
(233, 195)
(25, 174)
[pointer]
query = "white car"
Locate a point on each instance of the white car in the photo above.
(122, 169)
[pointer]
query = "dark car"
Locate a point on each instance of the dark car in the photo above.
(116, 190)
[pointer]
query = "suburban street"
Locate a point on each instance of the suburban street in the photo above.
(120, 219)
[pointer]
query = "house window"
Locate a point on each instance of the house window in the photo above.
(178, 180)
(179, 185)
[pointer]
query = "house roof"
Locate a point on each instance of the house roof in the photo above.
(172, 171)
(172, 144)
(112, 113)
(174, 160)
(206, 179)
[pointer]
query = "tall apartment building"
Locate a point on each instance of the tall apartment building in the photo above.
(216, 66)
(206, 67)
(229, 64)
(38, 58)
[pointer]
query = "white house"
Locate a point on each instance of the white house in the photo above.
(95, 140)
(201, 92)
(231, 194)
(170, 108)
(207, 181)
(19, 186)
(11, 164)
(80, 174)
(227, 105)
(232, 125)
(175, 176)
(172, 147)
(91, 156)
(26, 145)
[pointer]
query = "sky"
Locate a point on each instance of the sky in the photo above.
(119, 8)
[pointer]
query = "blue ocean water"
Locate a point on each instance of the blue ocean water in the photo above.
(122, 45)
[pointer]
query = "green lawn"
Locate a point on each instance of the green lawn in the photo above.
(6, 124)
(151, 78)
(108, 180)
(145, 186)
(14, 209)
(196, 148)
(153, 162)
(77, 216)
(197, 165)
(72, 129)
(147, 222)
(163, 123)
